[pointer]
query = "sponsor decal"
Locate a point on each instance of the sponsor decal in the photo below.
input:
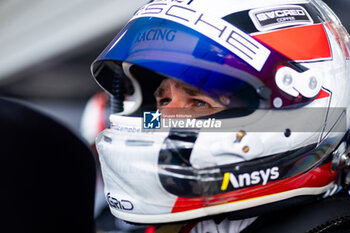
(249, 179)
(129, 129)
(277, 17)
(157, 34)
(222, 32)
(119, 204)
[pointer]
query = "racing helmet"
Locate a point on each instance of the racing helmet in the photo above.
(286, 63)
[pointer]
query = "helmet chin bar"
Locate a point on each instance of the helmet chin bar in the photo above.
(180, 178)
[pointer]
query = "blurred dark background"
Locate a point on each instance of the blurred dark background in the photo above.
(47, 47)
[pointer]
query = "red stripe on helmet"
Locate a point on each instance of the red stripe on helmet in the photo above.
(299, 43)
(318, 177)
(323, 94)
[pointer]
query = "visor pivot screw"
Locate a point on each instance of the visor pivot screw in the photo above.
(224, 100)
(240, 136)
(313, 83)
(287, 133)
(287, 79)
(246, 149)
(277, 102)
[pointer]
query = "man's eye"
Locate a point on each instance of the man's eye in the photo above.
(200, 103)
(164, 101)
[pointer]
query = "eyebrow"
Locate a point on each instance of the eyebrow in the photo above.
(188, 90)
(159, 92)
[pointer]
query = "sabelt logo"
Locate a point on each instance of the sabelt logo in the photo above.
(249, 179)
(278, 17)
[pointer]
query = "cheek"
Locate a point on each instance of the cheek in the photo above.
(168, 112)
(217, 105)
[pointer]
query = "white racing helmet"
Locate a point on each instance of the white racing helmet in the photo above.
(286, 63)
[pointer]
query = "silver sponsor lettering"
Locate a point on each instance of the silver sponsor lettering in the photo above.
(119, 204)
(277, 17)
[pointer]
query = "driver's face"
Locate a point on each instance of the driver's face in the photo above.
(173, 94)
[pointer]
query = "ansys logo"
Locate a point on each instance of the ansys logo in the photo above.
(261, 177)
(151, 120)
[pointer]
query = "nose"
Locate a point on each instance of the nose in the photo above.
(178, 98)
(175, 106)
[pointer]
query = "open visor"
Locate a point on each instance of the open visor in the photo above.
(173, 50)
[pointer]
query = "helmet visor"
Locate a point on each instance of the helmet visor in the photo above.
(176, 51)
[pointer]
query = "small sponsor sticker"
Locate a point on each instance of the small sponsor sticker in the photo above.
(119, 204)
(271, 18)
